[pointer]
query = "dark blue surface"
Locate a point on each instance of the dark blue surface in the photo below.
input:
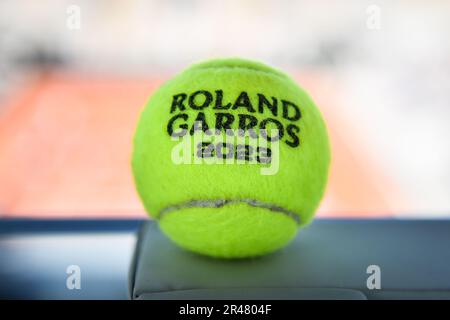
(14, 226)
(35, 254)
(412, 258)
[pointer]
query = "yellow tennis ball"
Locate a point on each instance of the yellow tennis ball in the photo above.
(231, 157)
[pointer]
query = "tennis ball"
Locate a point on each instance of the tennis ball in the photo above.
(256, 175)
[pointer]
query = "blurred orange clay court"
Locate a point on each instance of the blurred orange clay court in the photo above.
(65, 145)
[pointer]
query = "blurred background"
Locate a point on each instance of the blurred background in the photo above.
(74, 76)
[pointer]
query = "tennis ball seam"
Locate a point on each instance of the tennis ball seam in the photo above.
(218, 203)
(265, 72)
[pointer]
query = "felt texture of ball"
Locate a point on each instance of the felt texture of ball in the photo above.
(221, 209)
